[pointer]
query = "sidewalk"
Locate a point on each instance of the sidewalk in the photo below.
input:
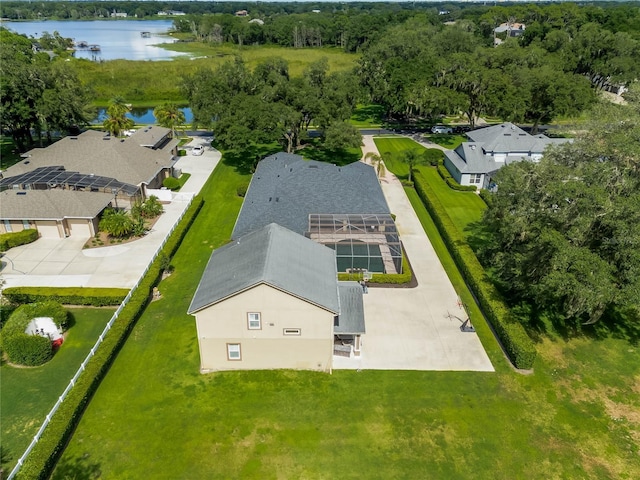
(415, 328)
(63, 262)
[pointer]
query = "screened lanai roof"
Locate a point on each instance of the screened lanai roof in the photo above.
(54, 176)
(361, 241)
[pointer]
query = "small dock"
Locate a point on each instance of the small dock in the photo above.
(82, 44)
(94, 48)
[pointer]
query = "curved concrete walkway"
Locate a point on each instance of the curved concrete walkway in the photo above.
(415, 328)
(63, 262)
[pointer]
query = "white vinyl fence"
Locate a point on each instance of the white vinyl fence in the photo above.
(83, 365)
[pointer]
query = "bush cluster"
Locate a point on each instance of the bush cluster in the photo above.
(97, 297)
(172, 183)
(45, 454)
(241, 191)
(511, 334)
(389, 278)
(446, 176)
(15, 239)
(434, 156)
(30, 350)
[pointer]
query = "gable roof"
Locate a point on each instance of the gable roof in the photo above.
(273, 256)
(285, 189)
(51, 204)
(93, 152)
(508, 137)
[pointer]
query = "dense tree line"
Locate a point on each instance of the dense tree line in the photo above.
(265, 105)
(37, 94)
(564, 234)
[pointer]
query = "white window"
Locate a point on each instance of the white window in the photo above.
(7, 226)
(233, 351)
(25, 224)
(475, 178)
(291, 331)
(253, 321)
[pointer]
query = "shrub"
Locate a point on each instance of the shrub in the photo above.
(45, 454)
(171, 183)
(446, 176)
(434, 157)
(241, 191)
(182, 153)
(30, 350)
(15, 239)
(384, 278)
(97, 297)
(486, 195)
(117, 223)
(511, 334)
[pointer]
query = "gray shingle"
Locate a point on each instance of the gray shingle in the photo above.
(95, 153)
(285, 189)
(51, 204)
(274, 256)
(351, 319)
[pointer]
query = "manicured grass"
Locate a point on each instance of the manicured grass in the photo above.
(183, 179)
(8, 153)
(155, 416)
(446, 140)
(148, 84)
(464, 208)
(27, 394)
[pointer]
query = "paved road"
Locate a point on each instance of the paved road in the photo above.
(415, 328)
(63, 262)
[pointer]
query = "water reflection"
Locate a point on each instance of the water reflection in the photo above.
(143, 115)
(117, 39)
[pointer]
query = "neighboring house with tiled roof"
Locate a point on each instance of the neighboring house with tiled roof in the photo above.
(92, 162)
(342, 207)
(54, 213)
(491, 148)
(271, 299)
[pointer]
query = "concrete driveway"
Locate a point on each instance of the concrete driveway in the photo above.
(63, 262)
(415, 328)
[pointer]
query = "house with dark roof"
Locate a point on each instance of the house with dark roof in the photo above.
(490, 148)
(93, 162)
(341, 207)
(271, 299)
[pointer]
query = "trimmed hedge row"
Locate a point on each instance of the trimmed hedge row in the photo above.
(42, 459)
(15, 239)
(446, 176)
(30, 350)
(97, 297)
(512, 335)
(389, 278)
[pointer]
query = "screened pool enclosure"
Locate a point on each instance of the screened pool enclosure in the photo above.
(369, 242)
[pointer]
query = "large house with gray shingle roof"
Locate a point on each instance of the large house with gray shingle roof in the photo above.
(491, 148)
(342, 207)
(121, 169)
(271, 299)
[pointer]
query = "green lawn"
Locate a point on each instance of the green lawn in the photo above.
(368, 116)
(155, 416)
(447, 141)
(464, 208)
(27, 394)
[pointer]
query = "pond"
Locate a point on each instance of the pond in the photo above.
(143, 115)
(116, 39)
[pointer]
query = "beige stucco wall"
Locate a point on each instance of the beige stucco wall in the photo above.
(16, 226)
(268, 347)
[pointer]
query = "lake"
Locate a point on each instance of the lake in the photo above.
(143, 115)
(118, 39)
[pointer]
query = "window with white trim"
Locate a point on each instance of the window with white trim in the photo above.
(233, 351)
(26, 225)
(475, 178)
(253, 321)
(291, 331)
(7, 226)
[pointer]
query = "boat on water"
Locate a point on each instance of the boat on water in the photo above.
(82, 44)
(94, 48)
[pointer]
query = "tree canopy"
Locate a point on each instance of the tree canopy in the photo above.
(565, 233)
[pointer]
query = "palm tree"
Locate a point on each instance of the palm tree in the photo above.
(169, 116)
(117, 120)
(377, 162)
(413, 158)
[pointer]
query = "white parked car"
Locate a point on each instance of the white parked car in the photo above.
(197, 150)
(441, 129)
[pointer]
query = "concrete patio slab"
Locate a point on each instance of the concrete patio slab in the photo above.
(415, 328)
